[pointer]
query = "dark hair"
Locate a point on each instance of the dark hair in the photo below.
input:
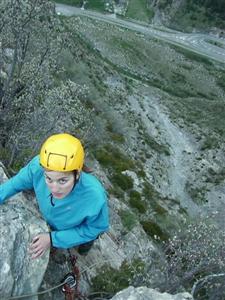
(86, 169)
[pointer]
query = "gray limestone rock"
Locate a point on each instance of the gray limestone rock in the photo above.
(19, 223)
(144, 293)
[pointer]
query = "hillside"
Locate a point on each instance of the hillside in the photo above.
(151, 116)
(184, 15)
(159, 125)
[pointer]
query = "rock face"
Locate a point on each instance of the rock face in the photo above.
(20, 275)
(143, 293)
(19, 222)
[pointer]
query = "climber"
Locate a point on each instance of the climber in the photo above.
(72, 201)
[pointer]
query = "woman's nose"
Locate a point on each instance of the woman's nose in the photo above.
(54, 187)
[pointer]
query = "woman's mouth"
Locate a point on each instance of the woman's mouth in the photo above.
(57, 195)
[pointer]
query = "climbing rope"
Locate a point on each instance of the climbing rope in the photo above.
(38, 293)
(58, 285)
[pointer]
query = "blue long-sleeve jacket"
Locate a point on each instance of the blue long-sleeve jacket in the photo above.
(76, 219)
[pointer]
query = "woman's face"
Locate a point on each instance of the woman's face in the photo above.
(59, 183)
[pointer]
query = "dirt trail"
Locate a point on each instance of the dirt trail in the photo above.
(177, 166)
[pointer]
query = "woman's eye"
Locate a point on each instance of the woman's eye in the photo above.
(48, 179)
(62, 181)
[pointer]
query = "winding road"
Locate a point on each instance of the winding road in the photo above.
(204, 44)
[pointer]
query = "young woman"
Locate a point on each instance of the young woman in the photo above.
(73, 202)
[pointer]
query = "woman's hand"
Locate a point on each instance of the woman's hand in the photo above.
(39, 245)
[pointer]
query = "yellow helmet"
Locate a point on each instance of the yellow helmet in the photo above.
(62, 152)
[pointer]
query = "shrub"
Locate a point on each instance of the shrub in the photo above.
(128, 219)
(125, 182)
(149, 191)
(209, 143)
(195, 252)
(112, 157)
(153, 230)
(136, 202)
(110, 281)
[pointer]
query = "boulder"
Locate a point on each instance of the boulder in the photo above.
(144, 293)
(19, 223)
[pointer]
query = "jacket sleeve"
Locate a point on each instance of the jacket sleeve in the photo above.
(22, 181)
(87, 231)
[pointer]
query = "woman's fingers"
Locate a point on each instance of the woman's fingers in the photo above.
(35, 246)
(37, 253)
(39, 245)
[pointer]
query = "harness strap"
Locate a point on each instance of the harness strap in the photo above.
(71, 286)
(69, 293)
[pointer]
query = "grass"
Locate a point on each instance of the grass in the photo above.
(77, 3)
(207, 114)
(154, 145)
(192, 56)
(113, 158)
(210, 143)
(115, 136)
(194, 15)
(98, 5)
(198, 195)
(109, 280)
(221, 80)
(216, 177)
(154, 231)
(139, 10)
(125, 182)
(136, 202)
(216, 43)
(128, 219)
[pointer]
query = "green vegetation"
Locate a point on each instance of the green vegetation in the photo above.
(109, 281)
(139, 10)
(216, 177)
(200, 14)
(163, 3)
(128, 219)
(196, 250)
(212, 6)
(221, 80)
(149, 192)
(192, 56)
(192, 95)
(70, 2)
(125, 182)
(216, 43)
(197, 194)
(98, 5)
(115, 136)
(210, 143)
(149, 140)
(112, 158)
(115, 191)
(136, 202)
(154, 231)
(189, 85)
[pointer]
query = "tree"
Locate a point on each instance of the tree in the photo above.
(195, 260)
(33, 102)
